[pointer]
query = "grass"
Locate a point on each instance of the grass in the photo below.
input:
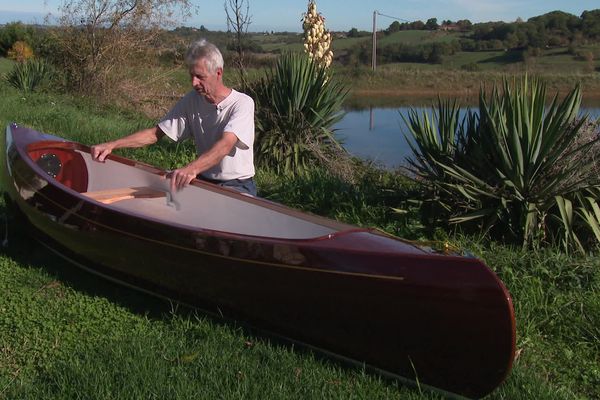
(66, 334)
(5, 66)
(293, 42)
(416, 81)
(418, 37)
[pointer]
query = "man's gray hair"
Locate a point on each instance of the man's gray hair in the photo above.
(204, 50)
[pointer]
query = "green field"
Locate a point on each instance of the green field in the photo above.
(549, 61)
(418, 37)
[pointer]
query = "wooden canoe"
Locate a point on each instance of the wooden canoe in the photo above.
(443, 320)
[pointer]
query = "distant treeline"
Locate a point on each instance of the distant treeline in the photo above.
(554, 29)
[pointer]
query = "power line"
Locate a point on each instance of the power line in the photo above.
(374, 51)
(389, 16)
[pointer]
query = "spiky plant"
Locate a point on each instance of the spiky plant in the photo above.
(512, 171)
(297, 104)
(437, 139)
(27, 76)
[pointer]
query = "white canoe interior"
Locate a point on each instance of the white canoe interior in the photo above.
(146, 194)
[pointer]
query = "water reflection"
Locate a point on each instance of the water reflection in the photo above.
(378, 134)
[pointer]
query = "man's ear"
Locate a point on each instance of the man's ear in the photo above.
(220, 72)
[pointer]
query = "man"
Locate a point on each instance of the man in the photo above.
(218, 118)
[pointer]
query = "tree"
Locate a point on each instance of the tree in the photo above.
(394, 27)
(558, 22)
(590, 23)
(417, 25)
(12, 33)
(431, 24)
(238, 21)
(20, 52)
(464, 24)
(98, 39)
(353, 33)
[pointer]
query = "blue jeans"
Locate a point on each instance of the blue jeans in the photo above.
(241, 185)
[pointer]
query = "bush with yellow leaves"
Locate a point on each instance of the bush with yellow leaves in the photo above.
(317, 40)
(20, 52)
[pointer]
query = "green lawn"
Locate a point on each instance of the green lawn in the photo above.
(65, 334)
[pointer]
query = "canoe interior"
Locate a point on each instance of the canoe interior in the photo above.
(137, 189)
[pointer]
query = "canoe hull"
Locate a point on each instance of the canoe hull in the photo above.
(445, 321)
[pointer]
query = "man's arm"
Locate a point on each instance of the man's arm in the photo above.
(183, 176)
(141, 138)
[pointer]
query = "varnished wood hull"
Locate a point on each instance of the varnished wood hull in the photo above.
(445, 320)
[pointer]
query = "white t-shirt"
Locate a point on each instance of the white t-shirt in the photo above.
(195, 117)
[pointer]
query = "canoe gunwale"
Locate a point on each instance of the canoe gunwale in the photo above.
(47, 144)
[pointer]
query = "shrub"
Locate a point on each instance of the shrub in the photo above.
(95, 43)
(29, 75)
(517, 169)
(297, 104)
(20, 52)
(12, 33)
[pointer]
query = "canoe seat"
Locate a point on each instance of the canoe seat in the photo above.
(109, 196)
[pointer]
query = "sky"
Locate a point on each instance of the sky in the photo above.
(340, 15)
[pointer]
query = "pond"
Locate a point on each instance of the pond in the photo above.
(377, 133)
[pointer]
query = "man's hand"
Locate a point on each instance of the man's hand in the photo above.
(181, 177)
(100, 151)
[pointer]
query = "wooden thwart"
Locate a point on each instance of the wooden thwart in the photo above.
(109, 196)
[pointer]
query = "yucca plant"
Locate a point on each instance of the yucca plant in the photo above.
(297, 104)
(27, 76)
(517, 169)
(589, 210)
(437, 139)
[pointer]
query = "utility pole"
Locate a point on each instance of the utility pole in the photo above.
(374, 52)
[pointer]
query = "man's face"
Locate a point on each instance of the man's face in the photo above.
(205, 82)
